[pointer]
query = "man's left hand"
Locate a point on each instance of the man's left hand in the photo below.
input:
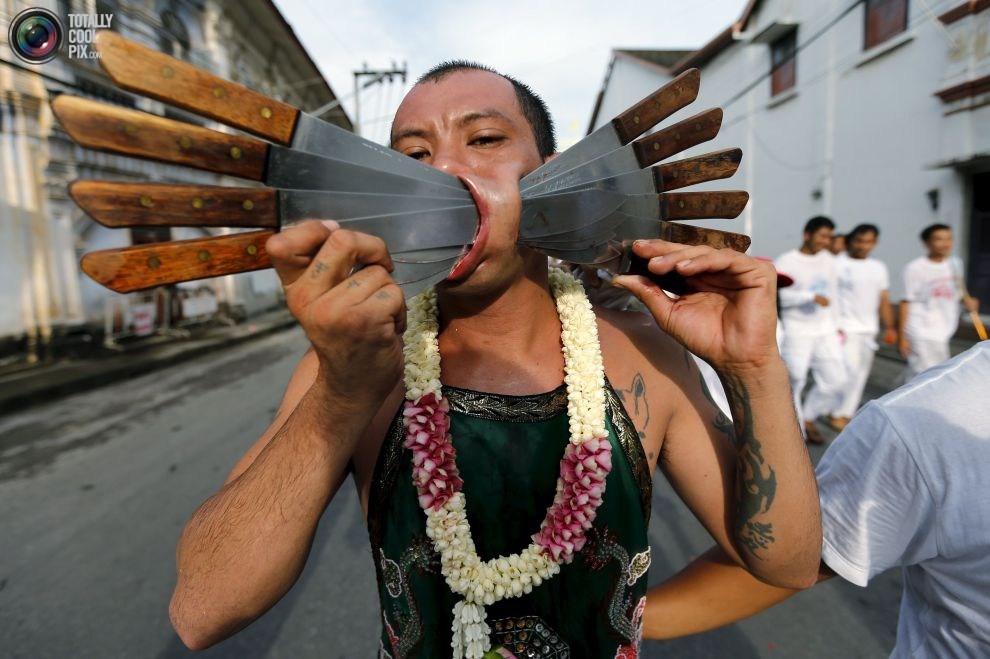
(729, 317)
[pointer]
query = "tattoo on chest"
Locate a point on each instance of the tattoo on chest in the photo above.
(634, 398)
(756, 481)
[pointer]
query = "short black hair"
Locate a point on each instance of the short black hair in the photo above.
(927, 232)
(818, 222)
(862, 228)
(533, 107)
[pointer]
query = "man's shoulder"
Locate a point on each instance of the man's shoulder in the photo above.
(633, 339)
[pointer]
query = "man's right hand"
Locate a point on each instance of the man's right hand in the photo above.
(354, 320)
(821, 300)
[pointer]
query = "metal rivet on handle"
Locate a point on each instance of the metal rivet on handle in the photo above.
(248, 205)
(252, 249)
(235, 152)
(636, 119)
(219, 92)
(680, 204)
(656, 146)
(130, 129)
(203, 255)
(147, 201)
(266, 112)
(185, 142)
(168, 72)
(154, 262)
(197, 203)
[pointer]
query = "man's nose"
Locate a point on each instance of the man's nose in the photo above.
(450, 161)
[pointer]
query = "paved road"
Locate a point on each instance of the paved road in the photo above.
(96, 488)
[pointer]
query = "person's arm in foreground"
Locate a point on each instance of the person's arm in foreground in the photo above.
(765, 514)
(711, 592)
(247, 544)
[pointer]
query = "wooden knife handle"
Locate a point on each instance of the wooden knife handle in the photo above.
(144, 71)
(132, 133)
(129, 269)
(656, 107)
(678, 137)
(702, 205)
(691, 171)
(687, 235)
(119, 205)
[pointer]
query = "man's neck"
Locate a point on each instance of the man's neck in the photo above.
(804, 249)
(506, 343)
(936, 258)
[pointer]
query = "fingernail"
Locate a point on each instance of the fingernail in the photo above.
(333, 225)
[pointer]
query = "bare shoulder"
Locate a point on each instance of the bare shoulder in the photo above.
(648, 370)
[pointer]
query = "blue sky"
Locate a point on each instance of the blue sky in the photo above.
(561, 49)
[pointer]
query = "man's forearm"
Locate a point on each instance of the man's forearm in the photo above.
(246, 545)
(711, 592)
(776, 516)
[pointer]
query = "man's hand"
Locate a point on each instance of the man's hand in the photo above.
(353, 319)
(728, 319)
(821, 300)
(903, 346)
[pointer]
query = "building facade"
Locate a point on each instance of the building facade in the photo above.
(45, 299)
(866, 111)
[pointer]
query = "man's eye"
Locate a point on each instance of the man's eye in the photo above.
(418, 155)
(487, 140)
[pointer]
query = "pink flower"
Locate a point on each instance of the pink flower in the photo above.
(583, 470)
(435, 472)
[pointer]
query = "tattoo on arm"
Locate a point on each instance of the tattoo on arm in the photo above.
(756, 481)
(637, 397)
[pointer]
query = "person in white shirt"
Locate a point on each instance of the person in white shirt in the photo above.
(891, 497)
(863, 301)
(807, 313)
(929, 312)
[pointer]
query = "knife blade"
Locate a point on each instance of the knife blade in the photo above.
(639, 154)
(653, 109)
(133, 133)
(144, 71)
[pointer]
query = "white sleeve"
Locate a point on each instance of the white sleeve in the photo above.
(877, 510)
(884, 277)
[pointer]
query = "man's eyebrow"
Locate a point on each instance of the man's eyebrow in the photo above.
(409, 132)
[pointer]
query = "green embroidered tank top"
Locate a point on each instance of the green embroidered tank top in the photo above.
(508, 453)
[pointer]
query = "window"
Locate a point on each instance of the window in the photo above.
(783, 63)
(884, 19)
(173, 39)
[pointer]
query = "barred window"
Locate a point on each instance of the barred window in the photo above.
(783, 63)
(884, 19)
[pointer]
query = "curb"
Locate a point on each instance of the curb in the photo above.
(89, 375)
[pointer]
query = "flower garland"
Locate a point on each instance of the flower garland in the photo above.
(586, 462)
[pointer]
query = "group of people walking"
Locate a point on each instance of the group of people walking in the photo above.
(840, 301)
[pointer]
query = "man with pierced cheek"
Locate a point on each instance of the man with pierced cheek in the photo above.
(502, 433)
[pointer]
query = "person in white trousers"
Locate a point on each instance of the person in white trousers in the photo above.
(929, 312)
(807, 313)
(863, 303)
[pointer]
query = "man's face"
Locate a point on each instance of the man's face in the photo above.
(940, 243)
(861, 246)
(819, 240)
(470, 124)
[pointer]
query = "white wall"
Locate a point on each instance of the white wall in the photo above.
(861, 134)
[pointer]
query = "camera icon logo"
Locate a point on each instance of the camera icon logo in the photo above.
(36, 35)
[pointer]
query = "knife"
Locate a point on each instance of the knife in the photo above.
(136, 268)
(133, 133)
(676, 94)
(144, 71)
(637, 155)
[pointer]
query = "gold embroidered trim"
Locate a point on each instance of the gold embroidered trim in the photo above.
(503, 407)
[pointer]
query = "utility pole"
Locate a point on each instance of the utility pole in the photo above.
(377, 77)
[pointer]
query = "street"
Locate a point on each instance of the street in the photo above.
(96, 488)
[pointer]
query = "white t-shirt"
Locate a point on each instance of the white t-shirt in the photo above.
(906, 485)
(933, 292)
(861, 281)
(813, 275)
